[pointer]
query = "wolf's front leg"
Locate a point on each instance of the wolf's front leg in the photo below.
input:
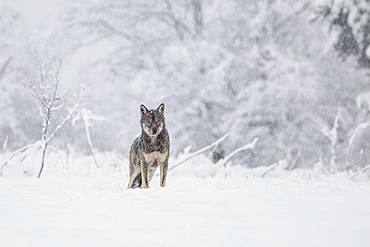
(144, 175)
(163, 173)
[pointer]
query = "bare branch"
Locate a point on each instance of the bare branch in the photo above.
(14, 154)
(179, 26)
(112, 29)
(269, 169)
(5, 66)
(363, 170)
(5, 143)
(202, 150)
(69, 116)
(248, 146)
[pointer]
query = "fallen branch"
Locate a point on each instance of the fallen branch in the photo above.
(248, 146)
(14, 154)
(202, 150)
(271, 168)
(363, 170)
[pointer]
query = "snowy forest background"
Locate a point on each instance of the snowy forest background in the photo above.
(293, 74)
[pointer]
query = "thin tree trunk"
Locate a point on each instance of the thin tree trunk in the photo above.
(89, 141)
(44, 148)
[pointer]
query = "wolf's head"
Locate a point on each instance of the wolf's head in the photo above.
(152, 121)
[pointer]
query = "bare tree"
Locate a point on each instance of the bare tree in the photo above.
(49, 103)
(51, 106)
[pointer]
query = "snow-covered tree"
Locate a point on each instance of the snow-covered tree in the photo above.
(55, 109)
(51, 103)
(351, 22)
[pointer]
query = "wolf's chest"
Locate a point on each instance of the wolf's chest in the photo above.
(155, 157)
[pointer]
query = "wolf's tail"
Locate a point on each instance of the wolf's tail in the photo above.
(137, 181)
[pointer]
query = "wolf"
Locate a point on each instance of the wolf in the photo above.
(150, 149)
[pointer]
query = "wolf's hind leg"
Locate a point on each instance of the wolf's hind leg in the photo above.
(134, 173)
(132, 179)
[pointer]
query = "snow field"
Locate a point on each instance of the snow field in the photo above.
(98, 210)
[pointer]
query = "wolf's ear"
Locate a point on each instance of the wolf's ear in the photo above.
(160, 108)
(143, 110)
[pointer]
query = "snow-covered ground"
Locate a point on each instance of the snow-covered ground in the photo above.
(98, 210)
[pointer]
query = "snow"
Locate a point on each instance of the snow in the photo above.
(237, 69)
(98, 210)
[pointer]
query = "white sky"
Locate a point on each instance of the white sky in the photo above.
(40, 18)
(39, 15)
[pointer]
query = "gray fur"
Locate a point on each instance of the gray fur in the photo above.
(150, 149)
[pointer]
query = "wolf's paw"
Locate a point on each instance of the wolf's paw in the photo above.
(144, 186)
